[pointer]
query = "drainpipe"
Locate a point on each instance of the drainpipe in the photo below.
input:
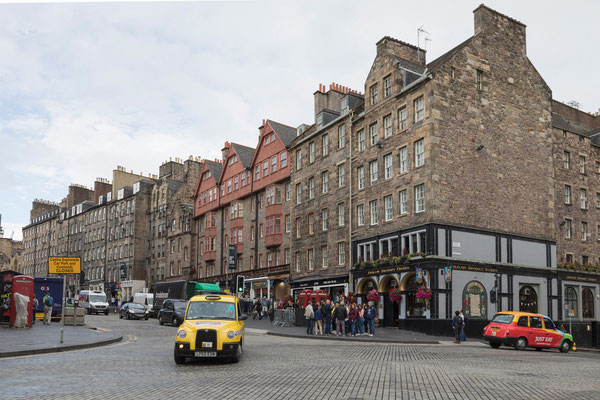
(350, 278)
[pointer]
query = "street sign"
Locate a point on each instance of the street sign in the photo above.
(566, 306)
(64, 265)
(232, 260)
(571, 313)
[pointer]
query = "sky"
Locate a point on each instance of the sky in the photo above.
(85, 87)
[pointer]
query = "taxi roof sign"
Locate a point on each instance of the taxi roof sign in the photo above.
(64, 265)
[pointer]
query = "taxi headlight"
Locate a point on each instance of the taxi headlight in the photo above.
(231, 334)
(131, 311)
(181, 334)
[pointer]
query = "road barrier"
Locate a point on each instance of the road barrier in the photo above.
(284, 317)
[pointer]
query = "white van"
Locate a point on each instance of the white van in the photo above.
(147, 300)
(94, 301)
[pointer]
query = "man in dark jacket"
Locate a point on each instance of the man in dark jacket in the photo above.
(340, 313)
(370, 314)
(457, 323)
(327, 316)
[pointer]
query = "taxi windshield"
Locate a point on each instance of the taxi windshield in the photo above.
(503, 318)
(211, 310)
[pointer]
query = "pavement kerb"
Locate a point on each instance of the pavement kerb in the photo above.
(351, 339)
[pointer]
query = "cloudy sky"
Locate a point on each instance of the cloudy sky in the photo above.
(86, 87)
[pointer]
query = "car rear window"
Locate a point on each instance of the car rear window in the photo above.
(502, 319)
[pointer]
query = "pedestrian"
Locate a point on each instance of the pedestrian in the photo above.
(347, 321)
(258, 309)
(48, 303)
(35, 303)
(361, 319)
(463, 337)
(457, 325)
(370, 314)
(327, 316)
(340, 314)
(309, 315)
(353, 317)
(318, 321)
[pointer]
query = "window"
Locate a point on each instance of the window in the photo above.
(229, 186)
(403, 202)
(373, 93)
(373, 212)
(311, 152)
(325, 219)
(361, 140)
(583, 199)
(478, 79)
(273, 164)
(598, 167)
(419, 152)
(298, 228)
(341, 175)
(341, 214)
(283, 159)
(571, 300)
(373, 171)
(387, 86)
(582, 165)
(420, 198)
(341, 253)
(287, 223)
(566, 160)
(360, 211)
(403, 156)
(298, 193)
(341, 137)
(288, 191)
(287, 256)
(528, 303)
(373, 134)
(325, 181)
(311, 187)
(402, 119)
(311, 258)
(265, 167)
(567, 194)
(569, 257)
(387, 126)
(361, 177)
(568, 229)
(388, 166)
(297, 261)
(389, 208)
(298, 159)
(475, 300)
(325, 145)
(257, 172)
(587, 302)
(324, 256)
(311, 224)
(584, 231)
(419, 106)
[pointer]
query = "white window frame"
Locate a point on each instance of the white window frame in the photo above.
(388, 166)
(419, 153)
(389, 208)
(403, 199)
(373, 213)
(341, 175)
(360, 215)
(361, 177)
(420, 198)
(341, 214)
(325, 145)
(325, 181)
(361, 140)
(419, 107)
(373, 171)
(403, 156)
(373, 134)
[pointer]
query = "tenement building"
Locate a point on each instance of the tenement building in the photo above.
(468, 185)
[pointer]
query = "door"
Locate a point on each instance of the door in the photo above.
(388, 311)
(537, 334)
(553, 338)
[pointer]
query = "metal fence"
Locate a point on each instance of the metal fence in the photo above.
(284, 317)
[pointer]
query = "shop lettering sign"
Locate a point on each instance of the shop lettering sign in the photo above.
(581, 278)
(473, 268)
(64, 265)
(389, 270)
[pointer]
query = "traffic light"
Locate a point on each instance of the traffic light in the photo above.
(493, 295)
(239, 287)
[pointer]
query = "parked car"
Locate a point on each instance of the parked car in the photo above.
(172, 311)
(133, 311)
(521, 330)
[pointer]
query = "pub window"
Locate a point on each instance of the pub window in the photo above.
(587, 303)
(475, 300)
(571, 301)
(528, 299)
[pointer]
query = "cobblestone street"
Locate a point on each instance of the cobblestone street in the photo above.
(286, 368)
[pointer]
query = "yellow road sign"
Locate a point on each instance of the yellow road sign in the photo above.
(64, 265)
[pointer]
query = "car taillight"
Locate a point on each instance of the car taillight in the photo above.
(507, 332)
(486, 328)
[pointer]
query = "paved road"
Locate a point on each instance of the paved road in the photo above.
(142, 367)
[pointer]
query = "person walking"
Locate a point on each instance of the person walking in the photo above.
(457, 323)
(35, 304)
(353, 317)
(361, 320)
(309, 314)
(48, 303)
(318, 321)
(340, 314)
(463, 337)
(370, 314)
(327, 316)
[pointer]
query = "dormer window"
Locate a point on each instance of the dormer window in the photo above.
(344, 105)
(319, 121)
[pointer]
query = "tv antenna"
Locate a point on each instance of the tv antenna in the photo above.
(426, 38)
(574, 104)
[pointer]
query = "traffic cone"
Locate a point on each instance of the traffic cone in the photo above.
(574, 347)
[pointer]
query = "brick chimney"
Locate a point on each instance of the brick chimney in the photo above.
(401, 49)
(225, 151)
(499, 27)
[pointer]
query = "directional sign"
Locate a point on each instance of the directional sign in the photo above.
(64, 265)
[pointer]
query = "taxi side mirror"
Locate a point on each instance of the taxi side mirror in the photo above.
(243, 317)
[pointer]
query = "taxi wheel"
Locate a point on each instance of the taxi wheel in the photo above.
(238, 355)
(178, 359)
(521, 343)
(539, 348)
(160, 321)
(495, 345)
(565, 347)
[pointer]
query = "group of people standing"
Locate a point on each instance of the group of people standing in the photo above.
(340, 319)
(458, 324)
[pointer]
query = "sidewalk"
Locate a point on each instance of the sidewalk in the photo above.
(46, 339)
(382, 335)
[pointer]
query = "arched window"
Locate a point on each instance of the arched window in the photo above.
(475, 300)
(528, 299)
(571, 300)
(587, 303)
(366, 286)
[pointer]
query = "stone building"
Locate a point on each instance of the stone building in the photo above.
(11, 257)
(40, 237)
(319, 193)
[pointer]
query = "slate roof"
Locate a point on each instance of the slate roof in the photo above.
(441, 60)
(173, 184)
(215, 168)
(244, 154)
(560, 122)
(411, 66)
(287, 134)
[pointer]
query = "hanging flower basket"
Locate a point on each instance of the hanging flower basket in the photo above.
(395, 295)
(351, 297)
(424, 294)
(373, 295)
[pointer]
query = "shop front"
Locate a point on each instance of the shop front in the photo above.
(336, 286)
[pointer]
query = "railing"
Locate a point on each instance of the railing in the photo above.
(284, 317)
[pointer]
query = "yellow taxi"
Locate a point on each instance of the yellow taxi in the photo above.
(213, 326)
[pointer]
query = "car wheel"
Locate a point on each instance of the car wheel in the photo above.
(106, 312)
(495, 345)
(88, 311)
(238, 354)
(128, 316)
(160, 321)
(521, 343)
(121, 315)
(538, 348)
(565, 346)
(178, 359)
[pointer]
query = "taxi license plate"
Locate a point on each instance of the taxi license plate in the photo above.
(493, 333)
(206, 344)
(206, 354)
